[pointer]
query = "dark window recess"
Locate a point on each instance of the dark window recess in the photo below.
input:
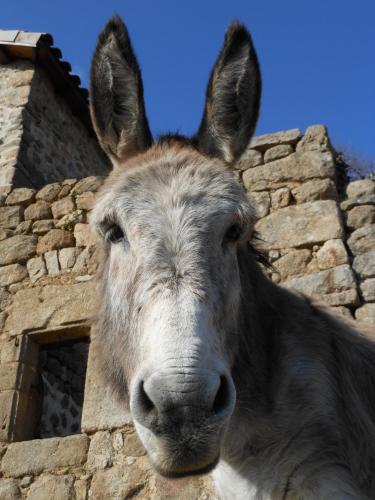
(60, 388)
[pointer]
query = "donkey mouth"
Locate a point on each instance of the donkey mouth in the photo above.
(177, 471)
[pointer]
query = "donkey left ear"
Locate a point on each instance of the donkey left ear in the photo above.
(232, 98)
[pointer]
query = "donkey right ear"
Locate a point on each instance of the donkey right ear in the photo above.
(116, 95)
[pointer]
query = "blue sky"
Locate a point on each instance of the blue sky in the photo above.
(317, 57)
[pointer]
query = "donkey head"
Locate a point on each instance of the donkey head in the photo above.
(172, 217)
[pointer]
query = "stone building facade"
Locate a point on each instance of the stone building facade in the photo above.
(317, 230)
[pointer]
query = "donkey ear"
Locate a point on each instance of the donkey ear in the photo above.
(232, 98)
(116, 95)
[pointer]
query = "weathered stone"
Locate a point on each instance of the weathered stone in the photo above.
(363, 187)
(55, 239)
(184, 488)
(362, 240)
(359, 201)
(36, 268)
(364, 264)
(33, 457)
(342, 311)
(360, 216)
(261, 202)
(18, 248)
(330, 281)
(67, 257)
(299, 225)
(43, 226)
(51, 305)
(81, 489)
(52, 263)
(12, 274)
(49, 193)
(65, 191)
(84, 259)
(26, 481)
(250, 158)
(8, 401)
(332, 254)
(50, 487)
(133, 446)
(37, 211)
(297, 167)
(84, 235)
(5, 233)
(85, 201)
(277, 152)
(10, 217)
(366, 314)
(368, 290)
(100, 453)
(320, 189)
(4, 299)
(92, 183)
(315, 139)
(280, 198)
(118, 482)
(293, 263)
(9, 490)
(263, 142)
(68, 221)
(21, 196)
(62, 207)
(344, 298)
(24, 227)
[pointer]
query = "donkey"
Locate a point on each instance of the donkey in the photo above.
(221, 369)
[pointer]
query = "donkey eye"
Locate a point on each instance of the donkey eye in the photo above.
(233, 234)
(114, 234)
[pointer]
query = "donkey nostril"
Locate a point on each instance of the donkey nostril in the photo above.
(144, 400)
(222, 396)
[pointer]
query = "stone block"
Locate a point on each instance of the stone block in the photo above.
(36, 268)
(363, 187)
(49, 192)
(52, 263)
(44, 455)
(10, 217)
(119, 482)
(4, 297)
(361, 216)
(100, 455)
(12, 274)
(85, 201)
(364, 264)
(24, 227)
(261, 202)
(358, 201)
(9, 490)
(132, 445)
(51, 305)
(85, 260)
(293, 263)
(9, 379)
(280, 198)
(37, 211)
(297, 167)
(250, 158)
(68, 221)
(368, 290)
(84, 235)
(21, 196)
(54, 240)
(91, 183)
(67, 257)
(300, 225)
(333, 253)
(263, 142)
(49, 487)
(8, 401)
(62, 207)
(366, 314)
(5, 233)
(184, 488)
(330, 281)
(18, 248)
(315, 139)
(320, 189)
(41, 227)
(344, 298)
(362, 240)
(277, 152)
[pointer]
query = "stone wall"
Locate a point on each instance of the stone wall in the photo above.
(318, 234)
(41, 140)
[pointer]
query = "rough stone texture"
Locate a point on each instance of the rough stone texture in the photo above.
(362, 240)
(366, 314)
(361, 216)
(118, 483)
(62, 207)
(320, 189)
(34, 457)
(315, 139)
(84, 235)
(12, 274)
(18, 248)
(263, 142)
(10, 217)
(300, 225)
(21, 196)
(332, 254)
(37, 211)
(52, 263)
(43, 226)
(261, 202)
(67, 257)
(92, 183)
(50, 487)
(68, 221)
(101, 451)
(36, 268)
(296, 167)
(293, 263)
(280, 198)
(250, 158)
(9, 490)
(358, 201)
(85, 201)
(49, 192)
(363, 187)
(368, 290)
(55, 239)
(277, 152)
(364, 264)
(24, 227)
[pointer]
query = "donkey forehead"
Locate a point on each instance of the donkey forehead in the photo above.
(167, 179)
